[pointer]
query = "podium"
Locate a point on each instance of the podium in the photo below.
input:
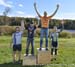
(29, 60)
(43, 56)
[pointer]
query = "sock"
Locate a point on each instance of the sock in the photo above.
(51, 51)
(55, 51)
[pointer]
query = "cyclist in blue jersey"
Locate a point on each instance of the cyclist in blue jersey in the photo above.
(16, 41)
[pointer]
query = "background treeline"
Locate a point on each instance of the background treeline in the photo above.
(15, 21)
(8, 24)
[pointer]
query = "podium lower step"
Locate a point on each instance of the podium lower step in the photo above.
(29, 60)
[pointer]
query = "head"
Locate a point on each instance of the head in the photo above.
(17, 29)
(31, 24)
(54, 28)
(45, 13)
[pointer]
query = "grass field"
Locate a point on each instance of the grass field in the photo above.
(65, 58)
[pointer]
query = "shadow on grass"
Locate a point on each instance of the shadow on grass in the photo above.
(10, 65)
(18, 65)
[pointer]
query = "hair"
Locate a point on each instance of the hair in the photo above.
(45, 12)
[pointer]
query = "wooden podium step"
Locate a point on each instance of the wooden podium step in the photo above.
(43, 56)
(29, 60)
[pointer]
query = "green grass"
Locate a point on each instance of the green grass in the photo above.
(65, 58)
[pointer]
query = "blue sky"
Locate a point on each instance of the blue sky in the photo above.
(24, 8)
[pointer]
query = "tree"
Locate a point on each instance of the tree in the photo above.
(5, 13)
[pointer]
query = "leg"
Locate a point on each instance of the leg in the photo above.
(55, 51)
(14, 56)
(51, 51)
(19, 51)
(46, 36)
(14, 53)
(41, 38)
(19, 55)
(56, 45)
(27, 46)
(32, 45)
(52, 47)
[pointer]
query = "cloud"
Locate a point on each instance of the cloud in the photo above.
(29, 16)
(20, 5)
(69, 15)
(21, 15)
(10, 2)
(4, 3)
(20, 12)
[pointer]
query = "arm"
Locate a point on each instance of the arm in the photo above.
(51, 36)
(26, 26)
(11, 42)
(36, 10)
(35, 25)
(55, 11)
(62, 26)
(22, 25)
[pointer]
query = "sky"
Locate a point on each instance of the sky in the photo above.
(25, 8)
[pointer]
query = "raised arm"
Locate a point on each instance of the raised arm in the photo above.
(35, 25)
(36, 10)
(22, 25)
(55, 11)
(62, 26)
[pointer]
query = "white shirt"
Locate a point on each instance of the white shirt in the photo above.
(54, 36)
(17, 37)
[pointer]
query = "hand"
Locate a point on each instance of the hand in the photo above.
(22, 22)
(11, 46)
(36, 26)
(62, 22)
(35, 4)
(57, 5)
(34, 23)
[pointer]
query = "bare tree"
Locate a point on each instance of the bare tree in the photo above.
(5, 13)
